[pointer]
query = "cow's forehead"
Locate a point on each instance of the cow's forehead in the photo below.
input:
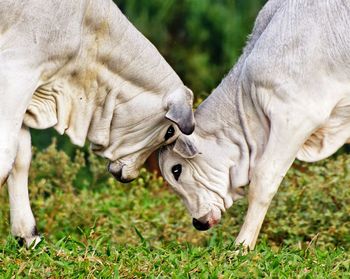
(167, 155)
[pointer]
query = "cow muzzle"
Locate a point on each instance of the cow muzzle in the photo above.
(207, 221)
(201, 226)
(119, 171)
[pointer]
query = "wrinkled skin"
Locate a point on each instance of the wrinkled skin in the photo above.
(82, 68)
(134, 137)
(204, 183)
(287, 97)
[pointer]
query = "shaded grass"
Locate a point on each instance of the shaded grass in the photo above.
(94, 227)
(70, 258)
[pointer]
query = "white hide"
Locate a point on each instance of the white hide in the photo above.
(82, 68)
(287, 97)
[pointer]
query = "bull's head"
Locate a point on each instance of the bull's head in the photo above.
(139, 126)
(203, 171)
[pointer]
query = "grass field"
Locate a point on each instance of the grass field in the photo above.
(94, 227)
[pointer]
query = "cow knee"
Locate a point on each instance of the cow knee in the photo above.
(262, 195)
(262, 198)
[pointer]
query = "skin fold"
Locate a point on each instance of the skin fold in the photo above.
(84, 69)
(287, 97)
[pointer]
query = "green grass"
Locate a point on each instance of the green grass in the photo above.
(94, 227)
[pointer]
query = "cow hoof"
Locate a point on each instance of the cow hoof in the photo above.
(20, 241)
(242, 249)
(32, 242)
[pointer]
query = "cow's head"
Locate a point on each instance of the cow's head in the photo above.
(142, 124)
(203, 171)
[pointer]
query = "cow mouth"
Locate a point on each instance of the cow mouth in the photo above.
(97, 147)
(116, 169)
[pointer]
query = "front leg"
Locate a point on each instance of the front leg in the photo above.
(284, 142)
(22, 219)
(18, 82)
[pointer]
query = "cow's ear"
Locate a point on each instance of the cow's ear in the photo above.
(185, 147)
(179, 109)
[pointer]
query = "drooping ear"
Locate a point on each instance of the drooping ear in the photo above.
(185, 147)
(179, 109)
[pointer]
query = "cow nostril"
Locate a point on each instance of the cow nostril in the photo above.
(199, 225)
(116, 172)
(117, 175)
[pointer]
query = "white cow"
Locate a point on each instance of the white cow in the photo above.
(82, 68)
(287, 97)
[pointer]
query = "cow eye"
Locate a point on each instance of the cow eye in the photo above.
(169, 133)
(176, 171)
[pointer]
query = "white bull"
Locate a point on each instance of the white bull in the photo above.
(287, 97)
(82, 68)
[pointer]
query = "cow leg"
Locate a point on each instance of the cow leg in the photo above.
(18, 81)
(22, 219)
(8, 146)
(284, 142)
(17, 85)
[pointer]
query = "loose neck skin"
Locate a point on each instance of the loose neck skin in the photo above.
(233, 110)
(231, 113)
(127, 55)
(112, 59)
